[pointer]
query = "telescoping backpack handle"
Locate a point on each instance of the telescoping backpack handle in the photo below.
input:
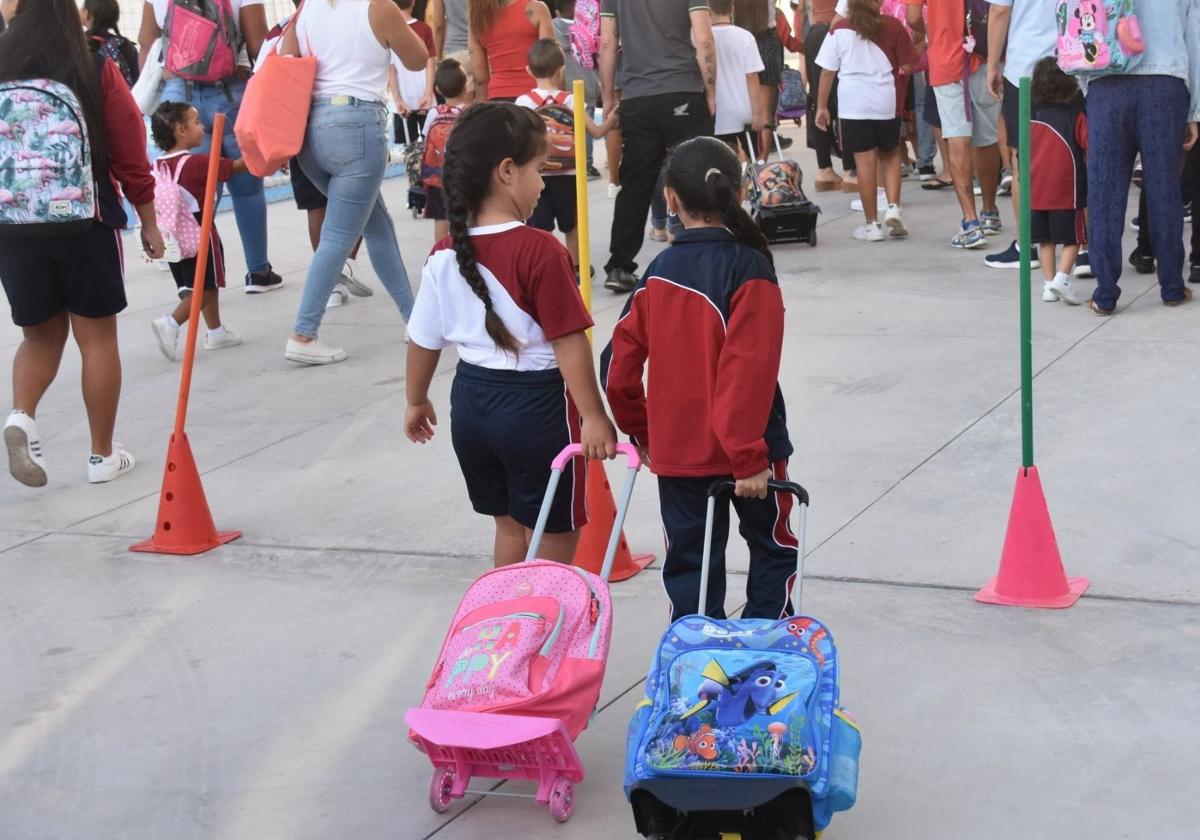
(725, 485)
(556, 470)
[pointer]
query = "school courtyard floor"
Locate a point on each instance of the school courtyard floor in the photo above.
(258, 691)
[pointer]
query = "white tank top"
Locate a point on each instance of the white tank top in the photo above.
(350, 59)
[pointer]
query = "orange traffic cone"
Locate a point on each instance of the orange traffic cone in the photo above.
(593, 540)
(185, 525)
(1031, 570)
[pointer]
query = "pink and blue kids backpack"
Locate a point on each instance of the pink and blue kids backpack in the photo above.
(46, 182)
(1098, 37)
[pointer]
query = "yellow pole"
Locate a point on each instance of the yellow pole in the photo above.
(581, 196)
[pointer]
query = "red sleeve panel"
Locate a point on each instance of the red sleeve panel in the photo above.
(626, 367)
(125, 137)
(747, 373)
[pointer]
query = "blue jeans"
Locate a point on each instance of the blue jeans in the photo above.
(1127, 115)
(345, 154)
(926, 142)
(249, 200)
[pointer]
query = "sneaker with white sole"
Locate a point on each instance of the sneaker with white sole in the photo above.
(869, 232)
(613, 189)
(25, 459)
(352, 283)
(166, 333)
(315, 352)
(214, 340)
(340, 296)
(989, 220)
(101, 469)
(970, 236)
(1048, 293)
(264, 281)
(1083, 265)
(1062, 289)
(893, 220)
(1010, 257)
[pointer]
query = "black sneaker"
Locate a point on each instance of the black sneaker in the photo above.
(1142, 263)
(1136, 223)
(785, 142)
(927, 172)
(263, 281)
(593, 174)
(1194, 277)
(1010, 257)
(1187, 212)
(620, 280)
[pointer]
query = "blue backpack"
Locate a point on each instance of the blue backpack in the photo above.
(739, 713)
(46, 182)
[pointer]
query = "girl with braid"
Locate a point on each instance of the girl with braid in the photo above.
(504, 294)
(711, 407)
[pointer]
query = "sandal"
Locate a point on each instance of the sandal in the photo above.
(1098, 311)
(936, 184)
(1187, 295)
(833, 185)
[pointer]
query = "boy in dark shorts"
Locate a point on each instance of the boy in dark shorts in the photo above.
(311, 200)
(547, 66)
(1058, 177)
(450, 82)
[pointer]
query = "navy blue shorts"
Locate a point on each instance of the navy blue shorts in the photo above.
(507, 426)
(556, 205)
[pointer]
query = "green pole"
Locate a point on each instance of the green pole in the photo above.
(1026, 283)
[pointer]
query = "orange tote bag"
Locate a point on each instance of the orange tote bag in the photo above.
(273, 117)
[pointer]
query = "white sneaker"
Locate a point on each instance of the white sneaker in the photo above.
(881, 202)
(1062, 289)
(1048, 293)
(115, 465)
(339, 297)
(893, 220)
(219, 341)
(869, 232)
(166, 332)
(352, 284)
(25, 459)
(315, 352)
(613, 189)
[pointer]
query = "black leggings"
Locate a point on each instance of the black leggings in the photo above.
(1190, 185)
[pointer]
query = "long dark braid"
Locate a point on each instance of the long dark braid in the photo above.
(485, 136)
(704, 173)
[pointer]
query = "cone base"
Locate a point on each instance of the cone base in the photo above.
(1075, 588)
(151, 547)
(635, 564)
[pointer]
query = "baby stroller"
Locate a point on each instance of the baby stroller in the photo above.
(520, 670)
(740, 732)
(777, 201)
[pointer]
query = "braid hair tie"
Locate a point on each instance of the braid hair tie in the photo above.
(711, 172)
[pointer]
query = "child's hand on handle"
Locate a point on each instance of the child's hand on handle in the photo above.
(598, 438)
(419, 421)
(754, 487)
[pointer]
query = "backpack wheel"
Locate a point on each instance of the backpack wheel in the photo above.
(562, 799)
(440, 786)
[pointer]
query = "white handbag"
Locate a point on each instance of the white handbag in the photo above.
(145, 92)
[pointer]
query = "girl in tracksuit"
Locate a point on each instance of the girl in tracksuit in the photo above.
(504, 294)
(708, 318)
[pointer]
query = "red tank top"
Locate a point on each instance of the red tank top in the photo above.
(507, 44)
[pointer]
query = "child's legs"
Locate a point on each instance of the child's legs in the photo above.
(511, 542)
(316, 218)
(683, 502)
(384, 252)
(558, 547)
(765, 525)
(1066, 260)
(866, 164)
(1046, 256)
(210, 307)
(891, 150)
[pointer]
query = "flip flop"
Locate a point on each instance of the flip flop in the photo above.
(936, 184)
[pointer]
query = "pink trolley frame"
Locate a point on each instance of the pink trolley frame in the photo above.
(464, 745)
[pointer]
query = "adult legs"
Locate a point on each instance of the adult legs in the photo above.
(641, 160)
(36, 361)
(1112, 146)
(819, 141)
(97, 340)
(986, 162)
(889, 174)
(1161, 116)
(962, 170)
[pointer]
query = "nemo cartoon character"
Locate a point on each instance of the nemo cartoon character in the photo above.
(801, 628)
(702, 743)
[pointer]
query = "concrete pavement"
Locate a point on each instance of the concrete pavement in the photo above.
(258, 691)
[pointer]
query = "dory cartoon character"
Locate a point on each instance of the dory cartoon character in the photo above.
(801, 628)
(754, 690)
(702, 743)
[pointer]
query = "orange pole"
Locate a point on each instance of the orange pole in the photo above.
(206, 225)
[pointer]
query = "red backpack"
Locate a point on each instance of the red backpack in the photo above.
(560, 131)
(201, 40)
(433, 161)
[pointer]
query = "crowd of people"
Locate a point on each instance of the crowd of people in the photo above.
(685, 92)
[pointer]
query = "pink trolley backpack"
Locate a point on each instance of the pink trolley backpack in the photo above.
(520, 670)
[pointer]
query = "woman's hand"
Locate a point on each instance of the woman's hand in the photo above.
(152, 241)
(754, 487)
(598, 438)
(419, 421)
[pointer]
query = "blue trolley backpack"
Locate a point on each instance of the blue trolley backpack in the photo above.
(741, 731)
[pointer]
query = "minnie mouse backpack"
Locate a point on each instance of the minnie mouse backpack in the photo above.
(1098, 37)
